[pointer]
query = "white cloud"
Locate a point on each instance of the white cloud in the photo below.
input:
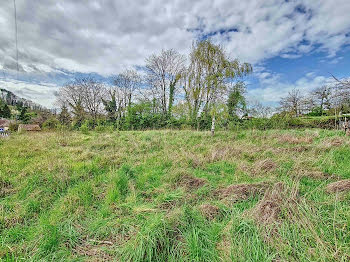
(107, 36)
(42, 93)
(273, 87)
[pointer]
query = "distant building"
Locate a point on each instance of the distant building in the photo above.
(4, 125)
(25, 127)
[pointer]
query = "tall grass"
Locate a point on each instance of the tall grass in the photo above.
(155, 196)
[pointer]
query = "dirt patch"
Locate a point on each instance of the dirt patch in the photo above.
(191, 182)
(265, 165)
(242, 191)
(209, 211)
(339, 186)
(276, 201)
(295, 140)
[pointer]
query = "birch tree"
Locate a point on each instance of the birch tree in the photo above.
(207, 78)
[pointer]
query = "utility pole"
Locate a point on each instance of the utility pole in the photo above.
(16, 37)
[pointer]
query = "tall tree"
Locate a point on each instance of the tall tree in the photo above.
(71, 96)
(206, 80)
(127, 83)
(322, 96)
(114, 103)
(64, 116)
(6, 112)
(83, 97)
(236, 102)
(292, 102)
(163, 73)
(93, 92)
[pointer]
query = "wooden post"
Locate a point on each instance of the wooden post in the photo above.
(213, 125)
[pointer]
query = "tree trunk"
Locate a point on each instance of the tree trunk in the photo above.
(213, 125)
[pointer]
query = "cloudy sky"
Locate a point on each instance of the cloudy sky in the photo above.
(290, 43)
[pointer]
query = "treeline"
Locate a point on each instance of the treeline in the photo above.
(172, 91)
(331, 99)
(202, 91)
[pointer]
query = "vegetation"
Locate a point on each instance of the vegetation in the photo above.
(175, 196)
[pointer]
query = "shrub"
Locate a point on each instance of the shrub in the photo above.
(51, 123)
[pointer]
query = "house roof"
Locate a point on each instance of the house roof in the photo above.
(29, 127)
(4, 123)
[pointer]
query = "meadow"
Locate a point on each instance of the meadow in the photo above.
(175, 196)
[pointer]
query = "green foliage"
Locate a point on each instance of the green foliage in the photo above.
(24, 116)
(236, 100)
(157, 196)
(51, 123)
(5, 111)
(64, 117)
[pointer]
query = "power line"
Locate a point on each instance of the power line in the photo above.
(14, 5)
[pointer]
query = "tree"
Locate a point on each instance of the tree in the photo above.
(114, 104)
(322, 96)
(127, 83)
(236, 102)
(206, 80)
(71, 96)
(163, 73)
(24, 116)
(292, 102)
(5, 111)
(64, 116)
(84, 97)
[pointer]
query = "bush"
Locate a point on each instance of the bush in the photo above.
(13, 127)
(51, 123)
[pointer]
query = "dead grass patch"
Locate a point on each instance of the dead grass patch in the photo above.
(209, 211)
(265, 165)
(94, 250)
(294, 139)
(339, 186)
(223, 153)
(315, 174)
(242, 191)
(277, 201)
(190, 182)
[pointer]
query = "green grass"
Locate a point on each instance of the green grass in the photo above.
(127, 196)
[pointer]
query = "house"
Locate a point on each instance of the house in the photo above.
(4, 125)
(26, 127)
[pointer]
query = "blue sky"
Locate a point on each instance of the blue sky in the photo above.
(291, 44)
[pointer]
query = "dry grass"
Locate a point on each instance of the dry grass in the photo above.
(339, 186)
(209, 211)
(241, 191)
(277, 199)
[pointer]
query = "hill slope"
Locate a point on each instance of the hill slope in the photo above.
(11, 99)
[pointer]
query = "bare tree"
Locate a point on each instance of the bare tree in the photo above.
(292, 102)
(163, 73)
(127, 82)
(93, 92)
(257, 109)
(322, 97)
(71, 96)
(83, 96)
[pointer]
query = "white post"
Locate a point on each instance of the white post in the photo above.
(213, 125)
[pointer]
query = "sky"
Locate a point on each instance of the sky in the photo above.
(290, 43)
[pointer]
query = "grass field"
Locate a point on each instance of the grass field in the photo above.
(175, 196)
